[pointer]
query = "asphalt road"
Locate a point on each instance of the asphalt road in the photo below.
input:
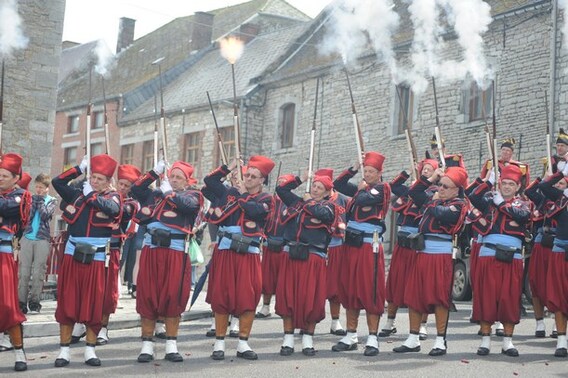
(119, 356)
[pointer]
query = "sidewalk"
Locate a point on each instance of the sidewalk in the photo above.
(44, 324)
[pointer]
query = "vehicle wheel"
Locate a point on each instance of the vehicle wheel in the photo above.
(461, 290)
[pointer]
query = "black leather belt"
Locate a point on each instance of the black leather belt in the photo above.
(5, 242)
(228, 235)
(99, 249)
(436, 238)
(494, 247)
(115, 245)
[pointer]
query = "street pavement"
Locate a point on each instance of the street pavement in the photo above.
(119, 356)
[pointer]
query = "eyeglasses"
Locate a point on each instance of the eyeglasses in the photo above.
(252, 177)
(446, 186)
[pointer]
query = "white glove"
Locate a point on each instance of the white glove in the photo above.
(87, 188)
(561, 165)
(491, 178)
(84, 164)
(160, 167)
(498, 198)
(165, 187)
(566, 192)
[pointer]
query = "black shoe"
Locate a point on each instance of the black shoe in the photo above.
(479, 333)
(310, 352)
(422, 336)
(554, 334)
(210, 333)
(500, 332)
(405, 349)
(93, 362)
(482, 351)
(23, 366)
(338, 332)
(436, 352)
(174, 357)
(34, 306)
(101, 341)
(260, 315)
(561, 352)
(145, 357)
(61, 362)
(23, 308)
(342, 347)
(540, 334)
(511, 352)
(234, 334)
(387, 332)
(76, 339)
(453, 307)
(162, 335)
(218, 355)
(286, 351)
(5, 348)
(247, 355)
(370, 351)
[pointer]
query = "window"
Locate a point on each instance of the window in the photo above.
(69, 157)
(98, 120)
(96, 149)
(480, 102)
(286, 125)
(228, 136)
(404, 108)
(73, 124)
(148, 155)
(192, 148)
(127, 154)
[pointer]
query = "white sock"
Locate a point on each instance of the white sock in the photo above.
(79, 329)
(160, 327)
(147, 348)
(423, 329)
(389, 324)
(64, 353)
(561, 342)
(265, 309)
(288, 340)
(336, 325)
(412, 341)
(350, 338)
(171, 346)
(440, 342)
(89, 353)
(20, 355)
(499, 325)
(372, 341)
(243, 346)
(212, 323)
(5, 341)
(540, 325)
(554, 327)
(307, 341)
(103, 333)
(219, 345)
(485, 342)
(235, 324)
(507, 343)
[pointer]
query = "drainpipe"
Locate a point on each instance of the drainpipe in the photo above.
(552, 89)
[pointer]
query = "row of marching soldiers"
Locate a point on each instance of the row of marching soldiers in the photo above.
(323, 244)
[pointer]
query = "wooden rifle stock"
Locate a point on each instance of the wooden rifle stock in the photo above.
(548, 139)
(88, 129)
(437, 130)
(220, 144)
(409, 138)
(107, 131)
(358, 134)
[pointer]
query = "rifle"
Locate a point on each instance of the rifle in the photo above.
(548, 142)
(409, 138)
(107, 131)
(162, 117)
(437, 130)
(224, 159)
(520, 147)
(88, 129)
(358, 134)
(495, 158)
(1, 106)
(156, 134)
(312, 143)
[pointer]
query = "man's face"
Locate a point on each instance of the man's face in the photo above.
(561, 149)
(447, 189)
(427, 170)
(371, 175)
(252, 180)
(506, 154)
(177, 179)
(40, 189)
(509, 188)
(124, 187)
(7, 180)
(99, 182)
(562, 184)
(318, 191)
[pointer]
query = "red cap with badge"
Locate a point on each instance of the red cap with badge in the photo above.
(325, 181)
(511, 172)
(12, 162)
(374, 159)
(324, 172)
(262, 163)
(103, 164)
(458, 175)
(186, 168)
(128, 172)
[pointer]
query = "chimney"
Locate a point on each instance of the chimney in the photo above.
(248, 31)
(125, 33)
(201, 30)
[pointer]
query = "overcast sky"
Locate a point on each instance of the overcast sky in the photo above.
(89, 21)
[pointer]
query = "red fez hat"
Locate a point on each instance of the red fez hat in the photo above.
(432, 162)
(128, 172)
(458, 175)
(324, 172)
(511, 172)
(262, 163)
(24, 182)
(325, 181)
(12, 162)
(186, 168)
(103, 164)
(287, 178)
(374, 159)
